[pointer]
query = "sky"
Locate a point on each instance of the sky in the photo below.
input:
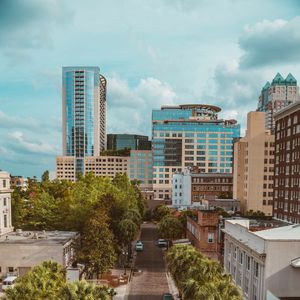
(152, 52)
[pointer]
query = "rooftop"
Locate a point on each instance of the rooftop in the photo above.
(38, 237)
(291, 232)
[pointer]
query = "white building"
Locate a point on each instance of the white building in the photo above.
(5, 203)
(263, 262)
(181, 189)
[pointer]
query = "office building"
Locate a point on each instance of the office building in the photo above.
(100, 165)
(265, 262)
(5, 203)
(141, 168)
(287, 164)
(186, 136)
(277, 95)
(84, 113)
(254, 166)
(191, 187)
(128, 141)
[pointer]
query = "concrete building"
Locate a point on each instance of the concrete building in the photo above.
(263, 262)
(277, 95)
(20, 251)
(128, 141)
(19, 182)
(186, 136)
(229, 205)
(83, 113)
(5, 203)
(287, 164)
(100, 165)
(203, 232)
(191, 187)
(254, 166)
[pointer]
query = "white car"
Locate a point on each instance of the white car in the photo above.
(139, 246)
(8, 282)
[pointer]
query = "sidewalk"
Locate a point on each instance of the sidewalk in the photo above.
(172, 287)
(122, 292)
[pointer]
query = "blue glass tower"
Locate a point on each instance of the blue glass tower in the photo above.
(84, 113)
(186, 136)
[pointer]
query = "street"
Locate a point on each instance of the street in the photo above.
(151, 284)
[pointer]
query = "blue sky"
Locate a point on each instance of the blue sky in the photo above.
(152, 52)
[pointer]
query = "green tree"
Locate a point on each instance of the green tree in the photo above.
(96, 250)
(43, 282)
(160, 211)
(171, 228)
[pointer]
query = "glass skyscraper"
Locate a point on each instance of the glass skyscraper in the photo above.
(84, 113)
(189, 135)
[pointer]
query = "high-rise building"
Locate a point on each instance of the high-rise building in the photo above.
(276, 95)
(128, 141)
(254, 166)
(186, 136)
(287, 164)
(84, 113)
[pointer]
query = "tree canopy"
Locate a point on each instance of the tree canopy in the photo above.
(198, 277)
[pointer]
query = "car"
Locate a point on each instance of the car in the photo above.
(139, 246)
(162, 243)
(167, 296)
(9, 282)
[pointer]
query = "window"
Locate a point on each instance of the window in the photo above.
(5, 221)
(4, 183)
(256, 269)
(248, 262)
(210, 238)
(4, 202)
(10, 269)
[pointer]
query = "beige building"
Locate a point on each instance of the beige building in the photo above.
(254, 166)
(263, 262)
(100, 165)
(5, 203)
(20, 251)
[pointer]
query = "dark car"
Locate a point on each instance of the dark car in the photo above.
(167, 296)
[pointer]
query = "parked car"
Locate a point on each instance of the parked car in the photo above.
(9, 282)
(167, 296)
(162, 243)
(139, 246)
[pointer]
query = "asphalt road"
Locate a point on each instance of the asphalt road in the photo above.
(151, 284)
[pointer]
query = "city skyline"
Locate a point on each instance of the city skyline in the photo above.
(139, 60)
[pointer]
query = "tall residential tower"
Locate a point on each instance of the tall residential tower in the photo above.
(84, 113)
(277, 95)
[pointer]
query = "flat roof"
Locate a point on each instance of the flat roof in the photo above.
(290, 232)
(287, 110)
(38, 237)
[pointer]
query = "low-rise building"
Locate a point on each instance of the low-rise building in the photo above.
(5, 203)
(229, 205)
(191, 187)
(100, 165)
(19, 182)
(203, 232)
(263, 262)
(20, 251)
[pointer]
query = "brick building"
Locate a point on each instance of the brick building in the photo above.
(203, 232)
(287, 164)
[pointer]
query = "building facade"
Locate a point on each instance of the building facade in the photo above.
(19, 182)
(20, 251)
(263, 262)
(187, 136)
(254, 166)
(277, 95)
(287, 164)
(141, 168)
(191, 187)
(100, 165)
(5, 203)
(128, 141)
(203, 232)
(84, 113)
